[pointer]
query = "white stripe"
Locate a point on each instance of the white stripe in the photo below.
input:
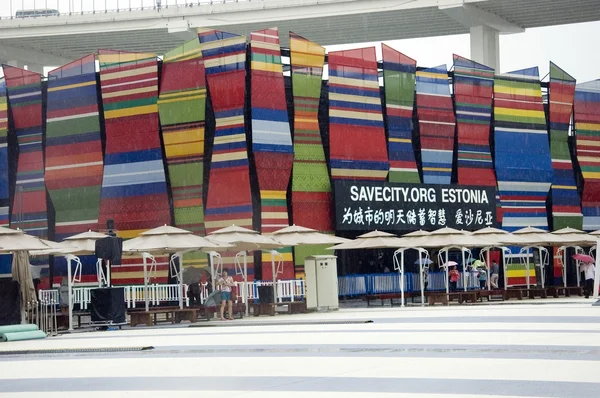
(473, 113)
(57, 119)
(29, 181)
(25, 95)
(511, 130)
(130, 83)
(442, 123)
(406, 108)
(72, 166)
(61, 224)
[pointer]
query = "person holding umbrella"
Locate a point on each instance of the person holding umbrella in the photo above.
(589, 271)
(225, 283)
(454, 277)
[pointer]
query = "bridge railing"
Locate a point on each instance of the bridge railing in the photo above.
(78, 7)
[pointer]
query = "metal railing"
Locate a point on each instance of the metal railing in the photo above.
(25, 9)
(43, 314)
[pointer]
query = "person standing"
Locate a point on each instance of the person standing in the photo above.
(225, 284)
(454, 276)
(482, 276)
(495, 271)
(589, 271)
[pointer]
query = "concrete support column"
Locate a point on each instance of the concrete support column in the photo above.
(485, 46)
(16, 64)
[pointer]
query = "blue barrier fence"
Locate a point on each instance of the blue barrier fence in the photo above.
(360, 285)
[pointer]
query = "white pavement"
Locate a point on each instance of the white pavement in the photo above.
(525, 350)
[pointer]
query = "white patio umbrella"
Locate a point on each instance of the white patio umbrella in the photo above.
(382, 240)
(448, 239)
(295, 235)
(243, 240)
(164, 241)
(580, 239)
(12, 240)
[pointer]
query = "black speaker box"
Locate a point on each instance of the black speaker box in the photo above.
(10, 302)
(266, 295)
(108, 305)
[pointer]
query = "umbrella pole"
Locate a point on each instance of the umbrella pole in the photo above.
(564, 267)
(447, 278)
(245, 294)
(527, 271)
(146, 282)
(504, 268)
(487, 264)
(70, 286)
(462, 251)
(422, 282)
(108, 281)
(542, 267)
(212, 269)
(596, 278)
(179, 276)
(274, 275)
(402, 279)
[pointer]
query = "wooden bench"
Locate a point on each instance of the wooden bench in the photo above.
(574, 290)
(263, 309)
(387, 296)
(296, 307)
(150, 318)
(208, 313)
(514, 293)
(464, 296)
(556, 291)
(436, 297)
(532, 292)
(489, 294)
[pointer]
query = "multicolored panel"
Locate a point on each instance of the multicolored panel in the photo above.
(5, 260)
(522, 152)
(134, 188)
(271, 141)
(473, 90)
(4, 181)
(28, 211)
(181, 106)
(399, 87)
(229, 198)
(435, 113)
(74, 161)
(355, 117)
(587, 127)
(566, 204)
(311, 186)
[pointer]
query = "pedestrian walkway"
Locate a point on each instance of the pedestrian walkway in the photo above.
(523, 350)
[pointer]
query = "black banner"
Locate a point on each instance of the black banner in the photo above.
(366, 206)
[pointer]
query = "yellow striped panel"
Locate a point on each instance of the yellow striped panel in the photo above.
(230, 59)
(520, 273)
(588, 126)
(124, 57)
(139, 90)
(529, 92)
(266, 67)
(287, 257)
(276, 215)
(519, 112)
(356, 115)
(184, 136)
(70, 86)
(184, 95)
(138, 110)
(130, 234)
(273, 194)
(354, 82)
(404, 140)
(563, 187)
(437, 169)
(223, 157)
(355, 98)
(431, 75)
(229, 121)
(242, 222)
(307, 60)
(230, 138)
(358, 173)
(592, 175)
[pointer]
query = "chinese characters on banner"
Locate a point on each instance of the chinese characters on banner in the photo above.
(405, 207)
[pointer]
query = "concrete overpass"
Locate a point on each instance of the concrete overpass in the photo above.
(58, 40)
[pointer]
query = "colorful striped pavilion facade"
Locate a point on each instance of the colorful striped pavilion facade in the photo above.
(229, 196)
(182, 107)
(311, 185)
(217, 132)
(566, 203)
(399, 87)
(271, 143)
(587, 127)
(357, 146)
(436, 125)
(134, 182)
(473, 91)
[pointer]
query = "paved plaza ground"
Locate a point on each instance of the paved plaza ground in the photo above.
(541, 348)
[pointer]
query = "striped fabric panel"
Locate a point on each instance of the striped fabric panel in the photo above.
(5, 260)
(355, 117)
(271, 141)
(229, 198)
(587, 127)
(436, 125)
(181, 106)
(311, 186)
(473, 90)
(566, 204)
(29, 210)
(134, 188)
(74, 161)
(4, 182)
(522, 152)
(399, 86)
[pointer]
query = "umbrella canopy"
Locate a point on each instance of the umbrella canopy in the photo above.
(374, 240)
(242, 239)
(583, 257)
(21, 273)
(85, 242)
(452, 238)
(297, 235)
(16, 240)
(416, 234)
(166, 239)
(529, 236)
(424, 261)
(55, 248)
(595, 233)
(579, 237)
(450, 264)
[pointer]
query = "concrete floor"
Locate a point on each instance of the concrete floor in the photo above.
(508, 350)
